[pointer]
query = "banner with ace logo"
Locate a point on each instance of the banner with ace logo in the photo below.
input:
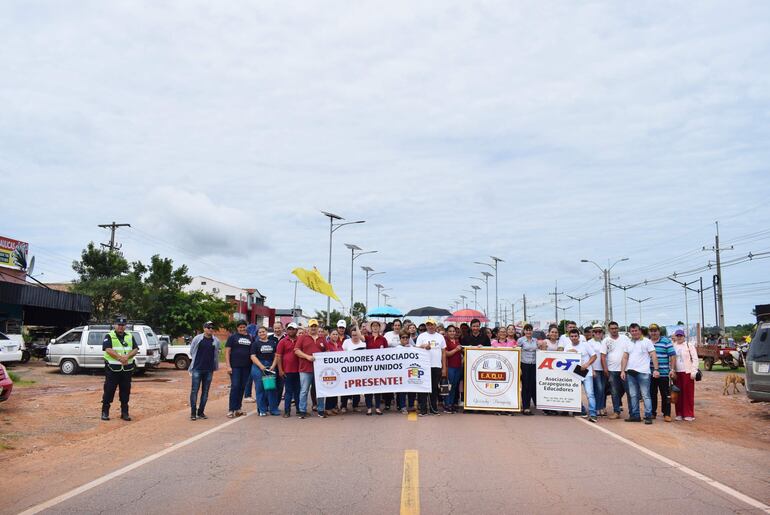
(558, 387)
(492, 380)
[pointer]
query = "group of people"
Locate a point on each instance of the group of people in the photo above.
(640, 366)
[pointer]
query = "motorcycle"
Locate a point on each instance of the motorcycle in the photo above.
(739, 355)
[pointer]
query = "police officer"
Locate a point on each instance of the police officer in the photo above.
(119, 351)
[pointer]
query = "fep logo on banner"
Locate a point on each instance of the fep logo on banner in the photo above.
(492, 373)
(414, 374)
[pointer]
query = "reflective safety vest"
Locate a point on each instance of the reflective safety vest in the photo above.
(122, 349)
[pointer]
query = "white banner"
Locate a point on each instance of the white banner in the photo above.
(558, 388)
(492, 380)
(395, 369)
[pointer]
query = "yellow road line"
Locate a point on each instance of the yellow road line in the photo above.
(410, 484)
(412, 416)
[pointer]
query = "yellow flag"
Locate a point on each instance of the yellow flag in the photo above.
(313, 280)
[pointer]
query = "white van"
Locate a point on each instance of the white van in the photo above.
(81, 347)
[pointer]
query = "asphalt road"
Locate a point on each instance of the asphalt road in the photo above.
(356, 464)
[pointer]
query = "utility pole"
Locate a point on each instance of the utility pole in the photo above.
(718, 291)
(112, 227)
(607, 295)
(640, 306)
(524, 299)
(294, 305)
(580, 312)
(556, 294)
(686, 308)
(625, 301)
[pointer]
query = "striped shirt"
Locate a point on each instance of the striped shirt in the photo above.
(664, 349)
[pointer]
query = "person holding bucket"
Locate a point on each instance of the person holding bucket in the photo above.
(264, 362)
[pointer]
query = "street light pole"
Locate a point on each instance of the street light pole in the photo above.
(465, 304)
(475, 292)
(496, 260)
(333, 227)
(486, 275)
(368, 271)
(353, 257)
(607, 295)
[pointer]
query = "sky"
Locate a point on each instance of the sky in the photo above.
(539, 132)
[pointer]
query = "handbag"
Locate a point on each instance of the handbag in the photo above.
(675, 390)
(698, 374)
(444, 388)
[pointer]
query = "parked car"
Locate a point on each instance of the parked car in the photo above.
(81, 347)
(10, 348)
(179, 355)
(758, 364)
(6, 384)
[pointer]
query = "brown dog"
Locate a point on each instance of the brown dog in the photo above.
(733, 379)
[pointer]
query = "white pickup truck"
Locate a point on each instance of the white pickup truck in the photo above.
(179, 355)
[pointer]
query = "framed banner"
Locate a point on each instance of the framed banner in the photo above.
(396, 369)
(558, 387)
(492, 380)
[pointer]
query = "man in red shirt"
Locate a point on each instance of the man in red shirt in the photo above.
(307, 345)
(288, 369)
(374, 341)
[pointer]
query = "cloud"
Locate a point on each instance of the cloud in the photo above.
(540, 133)
(193, 221)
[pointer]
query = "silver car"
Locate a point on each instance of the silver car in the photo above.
(81, 347)
(758, 364)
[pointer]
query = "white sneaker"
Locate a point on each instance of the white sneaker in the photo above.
(690, 419)
(678, 418)
(249, 399)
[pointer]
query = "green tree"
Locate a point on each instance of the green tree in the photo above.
(359, 311)
(334, 317)
(103, 276)
(152, 293)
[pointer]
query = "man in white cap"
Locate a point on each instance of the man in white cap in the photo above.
(600, 378)
(436, 344)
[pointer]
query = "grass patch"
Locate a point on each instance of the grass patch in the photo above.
(18, 381)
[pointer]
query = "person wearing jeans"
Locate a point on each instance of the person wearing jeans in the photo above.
(288, 369)
(664, 349)
(611, 353)
(617, 387)
(587, 358)
(528, 346)
(599, 379)
(307, 345)
(454, 363)
(374, 341)
(435, 344)
(250, 386)
(264, 362)
(635, 369)
(204, 354)
(238, 365)
(355, 342)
